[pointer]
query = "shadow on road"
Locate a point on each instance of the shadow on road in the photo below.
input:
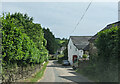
(71, 75)
(70, 69)
(76, 79)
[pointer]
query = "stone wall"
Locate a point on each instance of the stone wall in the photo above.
(19, 73)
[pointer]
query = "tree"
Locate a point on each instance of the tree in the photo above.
(34, 31)
(18, 46)
(51, 42)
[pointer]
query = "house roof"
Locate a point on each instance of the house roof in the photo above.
(86, 48)
(107, 27)
(80, 41)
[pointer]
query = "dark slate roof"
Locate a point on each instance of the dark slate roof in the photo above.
(80, 41)
(86, 48)
(107, 27)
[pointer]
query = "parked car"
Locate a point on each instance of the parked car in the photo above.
(65, 62)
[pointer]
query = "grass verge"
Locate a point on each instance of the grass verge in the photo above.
(38, 75)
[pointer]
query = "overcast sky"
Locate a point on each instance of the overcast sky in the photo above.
(61, 17)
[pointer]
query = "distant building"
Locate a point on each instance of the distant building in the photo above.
(76, 47)
(60, 51)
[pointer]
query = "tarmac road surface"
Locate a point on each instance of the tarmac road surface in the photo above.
(57, 73)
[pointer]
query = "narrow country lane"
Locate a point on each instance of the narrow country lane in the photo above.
(57, 73)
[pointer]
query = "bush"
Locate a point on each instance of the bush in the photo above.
(85, 55)
(107, 59)
(17, 47)
(103, 66)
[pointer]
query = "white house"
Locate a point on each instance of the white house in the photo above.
(76, 46)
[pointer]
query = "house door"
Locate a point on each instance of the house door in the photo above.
(74, 58)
